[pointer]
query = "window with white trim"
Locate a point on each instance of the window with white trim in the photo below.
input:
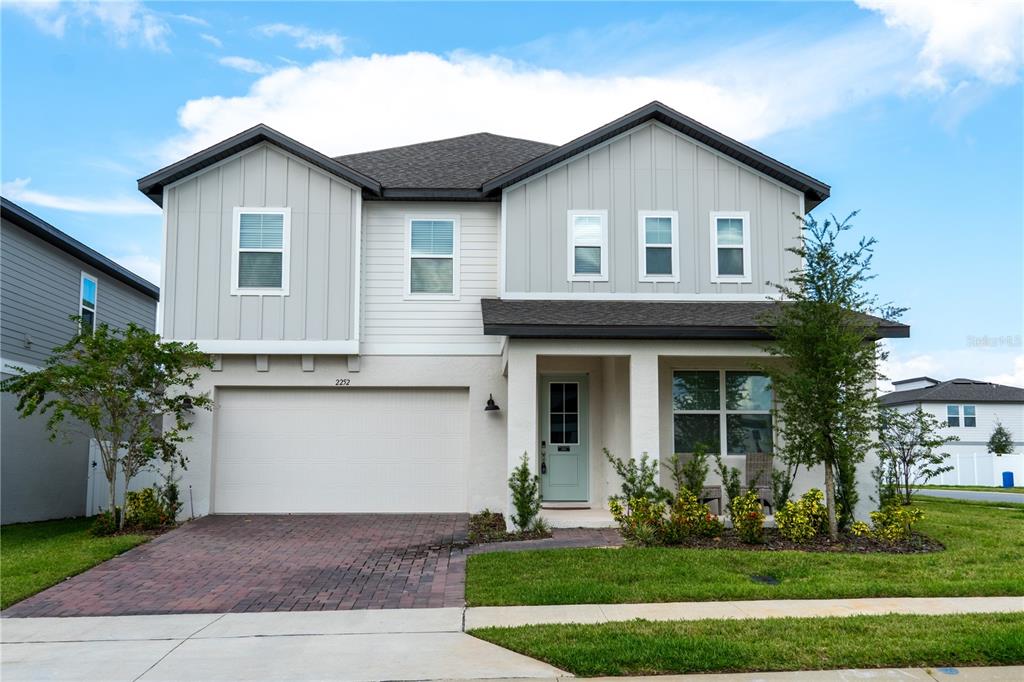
(969, 412)
(730, 246)
(87, 306)
(659, 237)
(261, 243)
(432, 265)
(725, 411)
(588, 246)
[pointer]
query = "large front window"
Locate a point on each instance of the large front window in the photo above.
(727, 412)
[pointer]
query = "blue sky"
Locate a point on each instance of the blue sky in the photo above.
(912, 112)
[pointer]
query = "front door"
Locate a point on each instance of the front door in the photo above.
(564, 451)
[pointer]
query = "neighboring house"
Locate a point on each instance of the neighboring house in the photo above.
(970, 410)
(364, 311)
(45, 278)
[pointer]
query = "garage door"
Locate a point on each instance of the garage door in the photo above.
(342, 450)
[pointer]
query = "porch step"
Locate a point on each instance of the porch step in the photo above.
(577, 518)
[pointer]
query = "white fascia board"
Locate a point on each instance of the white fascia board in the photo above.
(259, 347)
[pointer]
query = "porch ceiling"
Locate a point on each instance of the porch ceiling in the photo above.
(593, 319)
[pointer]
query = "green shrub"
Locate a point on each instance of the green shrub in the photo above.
(638, 479)
(169, 493)
(804, 519)
(525, 487)
(106, 523)
(688, 518)
(748, 517)
(730, 480)
(641, 522)
(143, 510)
(894, 523)
(692, 474)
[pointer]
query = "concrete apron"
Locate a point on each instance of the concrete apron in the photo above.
(394, 644)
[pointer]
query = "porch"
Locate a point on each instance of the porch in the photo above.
(569, 400)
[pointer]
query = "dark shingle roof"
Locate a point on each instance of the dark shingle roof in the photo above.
(638, 319)
(35, 225)
(957, 391)
(464, 162)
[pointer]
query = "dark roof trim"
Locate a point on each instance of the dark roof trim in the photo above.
(153, 184)
(431, 194)
(579, 331)
(814, 190)
(907, 381)
(38, 227)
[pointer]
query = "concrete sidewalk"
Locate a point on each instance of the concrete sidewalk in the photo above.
(512, 616)
(393, 644)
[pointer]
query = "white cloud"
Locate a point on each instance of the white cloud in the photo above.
(244, 64)
(141, 264)
(18, 190)
(358, 103)
(305, 38)
(189, 19)
(127, 23)
(976, 39)
(213, 40)
(998, 365)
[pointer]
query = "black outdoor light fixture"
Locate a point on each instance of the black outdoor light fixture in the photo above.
(491, 405)
(187, 403)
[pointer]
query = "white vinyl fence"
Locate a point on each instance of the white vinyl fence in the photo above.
(981, 468)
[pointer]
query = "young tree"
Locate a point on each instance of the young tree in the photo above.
(824, 336)
(117, 386)
(908, 447)
(1001, 441)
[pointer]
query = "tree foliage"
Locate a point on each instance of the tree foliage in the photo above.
(824, 382)
(1001, 441)
(126, 389)
(525, 488)
(909, 450)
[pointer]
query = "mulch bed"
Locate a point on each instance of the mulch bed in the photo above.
(850, 544)
(487, 527)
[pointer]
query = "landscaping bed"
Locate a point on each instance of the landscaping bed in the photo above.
(487, 527)
(650, 648)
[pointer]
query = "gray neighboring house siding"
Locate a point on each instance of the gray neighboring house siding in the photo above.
(39, 289)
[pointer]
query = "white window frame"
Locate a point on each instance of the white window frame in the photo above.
(455, 257)
(81, 296)
(285, 251)
(673, 216)
(571, 244)
(723, 412)
(961, 416)
(746, 277)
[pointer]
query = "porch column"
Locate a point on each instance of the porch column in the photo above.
(643, 407)
(522, 413)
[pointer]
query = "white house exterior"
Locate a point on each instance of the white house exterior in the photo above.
(970, 410)
(363, 310)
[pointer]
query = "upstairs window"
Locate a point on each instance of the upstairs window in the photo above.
(432, 263)
(588, 246)
(730, 247)
(260, 265)
(659, 235)
(87, 307)
(953, 415)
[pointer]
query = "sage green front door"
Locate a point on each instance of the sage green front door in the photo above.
(564, 446)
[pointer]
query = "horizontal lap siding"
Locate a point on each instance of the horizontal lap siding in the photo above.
(649, 168)
(40, 287)
(392, 324)
(324, 233)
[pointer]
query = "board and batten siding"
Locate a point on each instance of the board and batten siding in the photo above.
(392, 324)
(650, 167)
(40, 288)
(320, 305)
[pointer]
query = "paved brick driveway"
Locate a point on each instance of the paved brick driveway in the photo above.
(273, 563)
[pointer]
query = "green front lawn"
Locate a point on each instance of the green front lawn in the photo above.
(984, 556)
(651, 648)
(977, 488)
(34, 556)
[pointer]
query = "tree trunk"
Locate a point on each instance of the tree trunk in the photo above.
(830, 502)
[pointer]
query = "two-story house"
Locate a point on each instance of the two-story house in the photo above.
(392, 330)
(970, 410)
(46, 277)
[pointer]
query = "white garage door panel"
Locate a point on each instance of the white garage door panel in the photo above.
(341, 450)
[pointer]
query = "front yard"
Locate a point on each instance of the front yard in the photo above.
(34, 556)
(984, 556)
(651, 648)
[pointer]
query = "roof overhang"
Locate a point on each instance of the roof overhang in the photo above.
(814, 191)
(153, 184)
(620, 319)
(38, 227)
